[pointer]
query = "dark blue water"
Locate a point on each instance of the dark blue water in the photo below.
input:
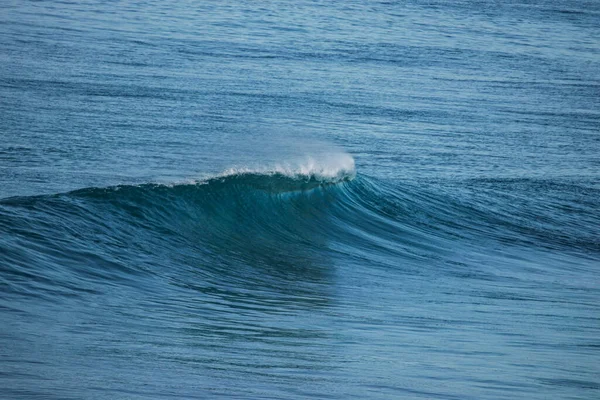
(299, 199)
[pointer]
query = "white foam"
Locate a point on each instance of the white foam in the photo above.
(327, 167)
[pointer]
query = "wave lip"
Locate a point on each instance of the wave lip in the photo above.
(337, 168)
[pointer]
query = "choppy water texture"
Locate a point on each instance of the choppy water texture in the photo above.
(299, 199)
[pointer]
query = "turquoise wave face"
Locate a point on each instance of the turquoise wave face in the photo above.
(276, 220)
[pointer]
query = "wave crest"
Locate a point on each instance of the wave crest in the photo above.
(331, 169)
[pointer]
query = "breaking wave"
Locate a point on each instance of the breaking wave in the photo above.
(253, 225)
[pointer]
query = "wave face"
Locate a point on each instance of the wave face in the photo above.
(257, 226)
(240, 212)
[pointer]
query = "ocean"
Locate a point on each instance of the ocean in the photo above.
(300, 199)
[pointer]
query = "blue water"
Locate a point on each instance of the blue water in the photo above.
(302, 199)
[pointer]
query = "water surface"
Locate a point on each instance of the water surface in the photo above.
(299, 200)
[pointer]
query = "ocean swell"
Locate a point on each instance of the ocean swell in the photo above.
(257, 224)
